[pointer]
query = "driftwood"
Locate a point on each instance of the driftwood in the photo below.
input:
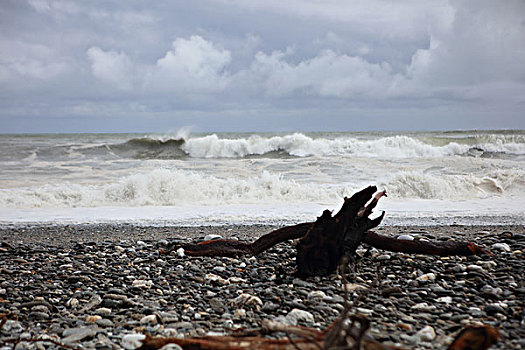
(324, 242)
(351, 337)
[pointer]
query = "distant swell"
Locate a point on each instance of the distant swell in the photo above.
(148, 148)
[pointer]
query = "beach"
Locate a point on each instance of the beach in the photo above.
(90, 225)
(98, 286)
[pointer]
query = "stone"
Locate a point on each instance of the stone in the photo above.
(239, 314)
(423, 307)
(459, 268)
(353, 287)
(212, 237)
(445, 300)
(103, 311)
(490, 291)
(475, 268)
(149, 319)
(38, 315)
(132, 341)
(269, 307)
(94, 301)
(217, 305)
(427, 277)
(171, 346)
(142, 283)
(475, 311)
(384, 257)
(366, 312)
(93, 318)
(246, 299)
(11, 326)
(501, 246)
(426, 334)
(492, 309)
(315, 295)
(104, 322)
(296, 315)
(72, 335)
(405, 237)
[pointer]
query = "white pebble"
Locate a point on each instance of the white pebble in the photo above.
(180, 252)
(423, 307)
(352, 287)
(501, 246)
(427, 277)
(316, 294)
(171, 346)
(212, 237)
(427, 333)
(405, 237)
(132, 341)
(446, 300)
(366, 312)
(149, 319)
(142, 283)
(236, 280)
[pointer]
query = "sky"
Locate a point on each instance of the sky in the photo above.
(261, 65)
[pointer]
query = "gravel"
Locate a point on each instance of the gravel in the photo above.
(103, 286)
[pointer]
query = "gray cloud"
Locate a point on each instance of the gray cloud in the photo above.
(238, 65)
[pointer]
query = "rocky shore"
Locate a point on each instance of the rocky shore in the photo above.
(101, 286)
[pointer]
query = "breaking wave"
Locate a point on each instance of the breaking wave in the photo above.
(399, 146)
(300, 145)
(291, 145)
(163, 187)
(456, 187)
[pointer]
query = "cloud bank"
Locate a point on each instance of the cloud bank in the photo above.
(231, 64)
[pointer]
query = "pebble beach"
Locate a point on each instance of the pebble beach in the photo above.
(104, 286)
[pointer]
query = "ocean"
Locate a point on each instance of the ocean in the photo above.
(431, 178)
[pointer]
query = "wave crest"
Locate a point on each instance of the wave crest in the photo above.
(149, 148)
(300, 145)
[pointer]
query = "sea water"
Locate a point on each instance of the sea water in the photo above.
(465, 177)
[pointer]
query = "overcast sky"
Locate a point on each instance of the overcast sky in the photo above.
(261, 65)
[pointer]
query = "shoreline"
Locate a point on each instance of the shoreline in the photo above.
(65, 234)
(94, 285)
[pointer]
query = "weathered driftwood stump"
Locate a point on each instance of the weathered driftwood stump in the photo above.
(320, 250)
(323, 243)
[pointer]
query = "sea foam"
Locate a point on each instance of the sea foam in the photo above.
(162, 187)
